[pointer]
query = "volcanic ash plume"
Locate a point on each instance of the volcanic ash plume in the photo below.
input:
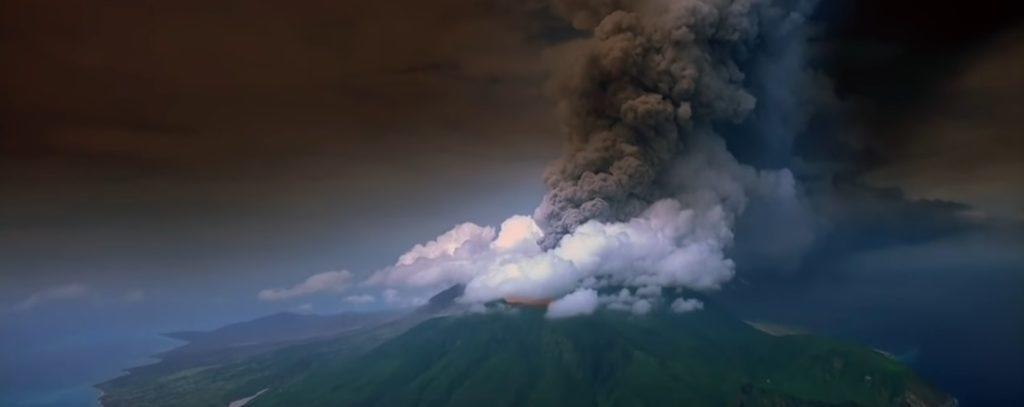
(653, 72)
(646, 194)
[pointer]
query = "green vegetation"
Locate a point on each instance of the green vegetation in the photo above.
(612, 359)
(519, 358)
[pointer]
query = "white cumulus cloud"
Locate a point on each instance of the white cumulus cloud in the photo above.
(641, 307)
(681, 305)
(66, 292)
(580, 302)
(359, 299)
(328, 281)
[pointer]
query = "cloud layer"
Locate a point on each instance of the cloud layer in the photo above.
(317, 283)
(67, 292)
(579, 302)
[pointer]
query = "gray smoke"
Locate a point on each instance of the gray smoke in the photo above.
(653, 73)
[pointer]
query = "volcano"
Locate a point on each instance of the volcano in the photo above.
(515, 356)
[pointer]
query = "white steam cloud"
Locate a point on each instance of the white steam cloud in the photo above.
(579, 302)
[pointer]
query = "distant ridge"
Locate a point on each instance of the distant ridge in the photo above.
(443, 301)
(280, 327)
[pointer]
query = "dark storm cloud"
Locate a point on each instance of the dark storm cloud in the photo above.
(965, 144)
(929, 101)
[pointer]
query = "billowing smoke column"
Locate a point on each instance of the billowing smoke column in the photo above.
(654, 71)
(646, 194)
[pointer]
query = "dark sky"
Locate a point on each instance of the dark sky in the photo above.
(936, 91)
(147, 145)
(136, 135)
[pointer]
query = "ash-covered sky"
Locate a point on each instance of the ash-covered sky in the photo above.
(147, 147)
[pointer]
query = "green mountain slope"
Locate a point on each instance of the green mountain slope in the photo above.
(519, 358)
(611, 359)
